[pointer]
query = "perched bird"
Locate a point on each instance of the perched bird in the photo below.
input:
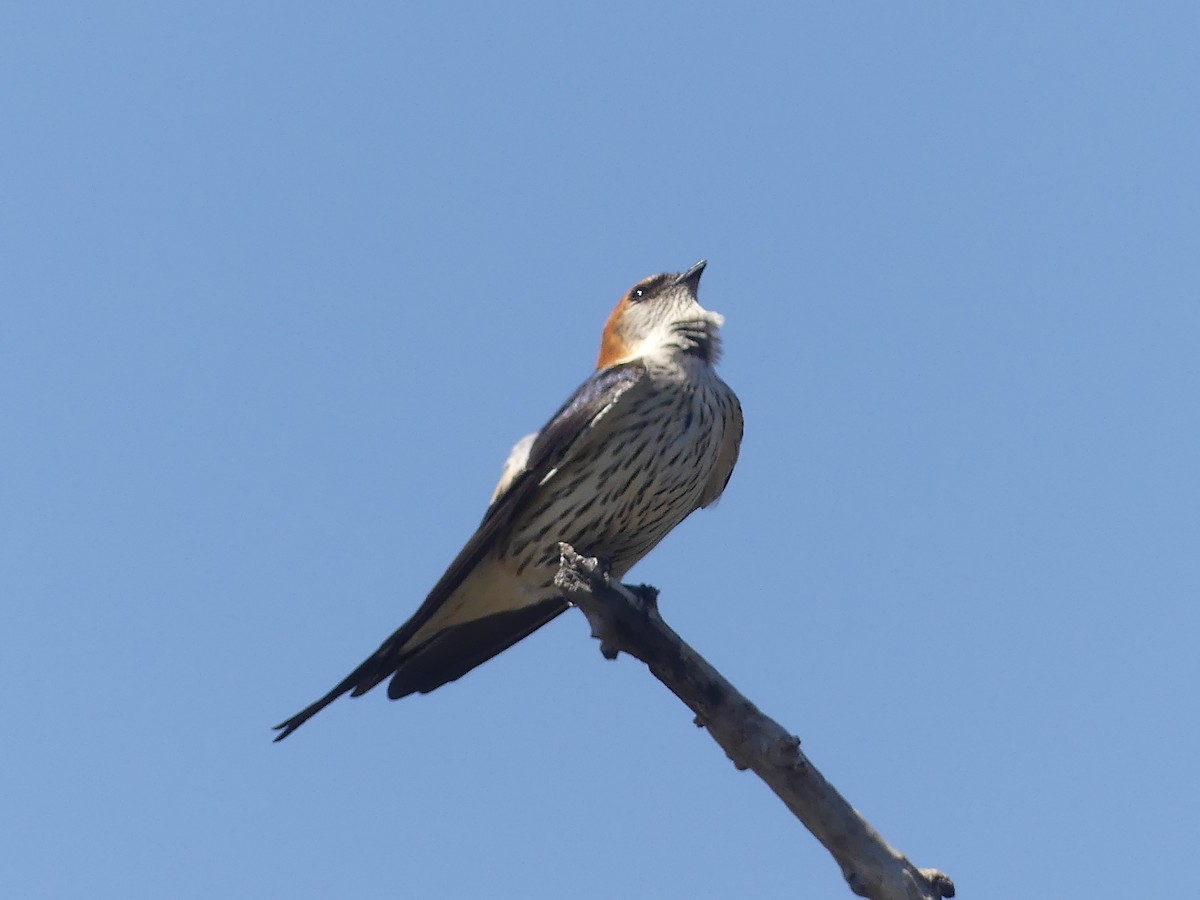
(650, 437)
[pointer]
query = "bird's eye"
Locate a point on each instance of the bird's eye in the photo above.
(648, 289)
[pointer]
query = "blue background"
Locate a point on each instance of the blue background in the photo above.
(281, 284)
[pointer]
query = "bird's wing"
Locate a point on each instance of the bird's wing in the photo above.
(466, 646)
(731, 443)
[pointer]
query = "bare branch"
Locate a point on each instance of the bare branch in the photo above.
(627, 619)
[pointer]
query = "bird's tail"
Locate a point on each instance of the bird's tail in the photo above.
(446, 656)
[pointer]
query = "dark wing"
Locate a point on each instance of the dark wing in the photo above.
(453, 652)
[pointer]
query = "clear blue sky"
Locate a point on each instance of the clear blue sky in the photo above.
(281, 284)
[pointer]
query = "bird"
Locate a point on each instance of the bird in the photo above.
(651, 435)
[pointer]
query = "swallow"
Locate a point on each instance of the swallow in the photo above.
(651, 436)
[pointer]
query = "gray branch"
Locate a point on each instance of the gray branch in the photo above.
(627, 619)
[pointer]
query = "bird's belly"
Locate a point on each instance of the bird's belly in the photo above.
(620, 495)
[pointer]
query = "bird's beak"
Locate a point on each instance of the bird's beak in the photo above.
(692, 276)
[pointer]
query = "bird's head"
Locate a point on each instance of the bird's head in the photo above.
(661, 315)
